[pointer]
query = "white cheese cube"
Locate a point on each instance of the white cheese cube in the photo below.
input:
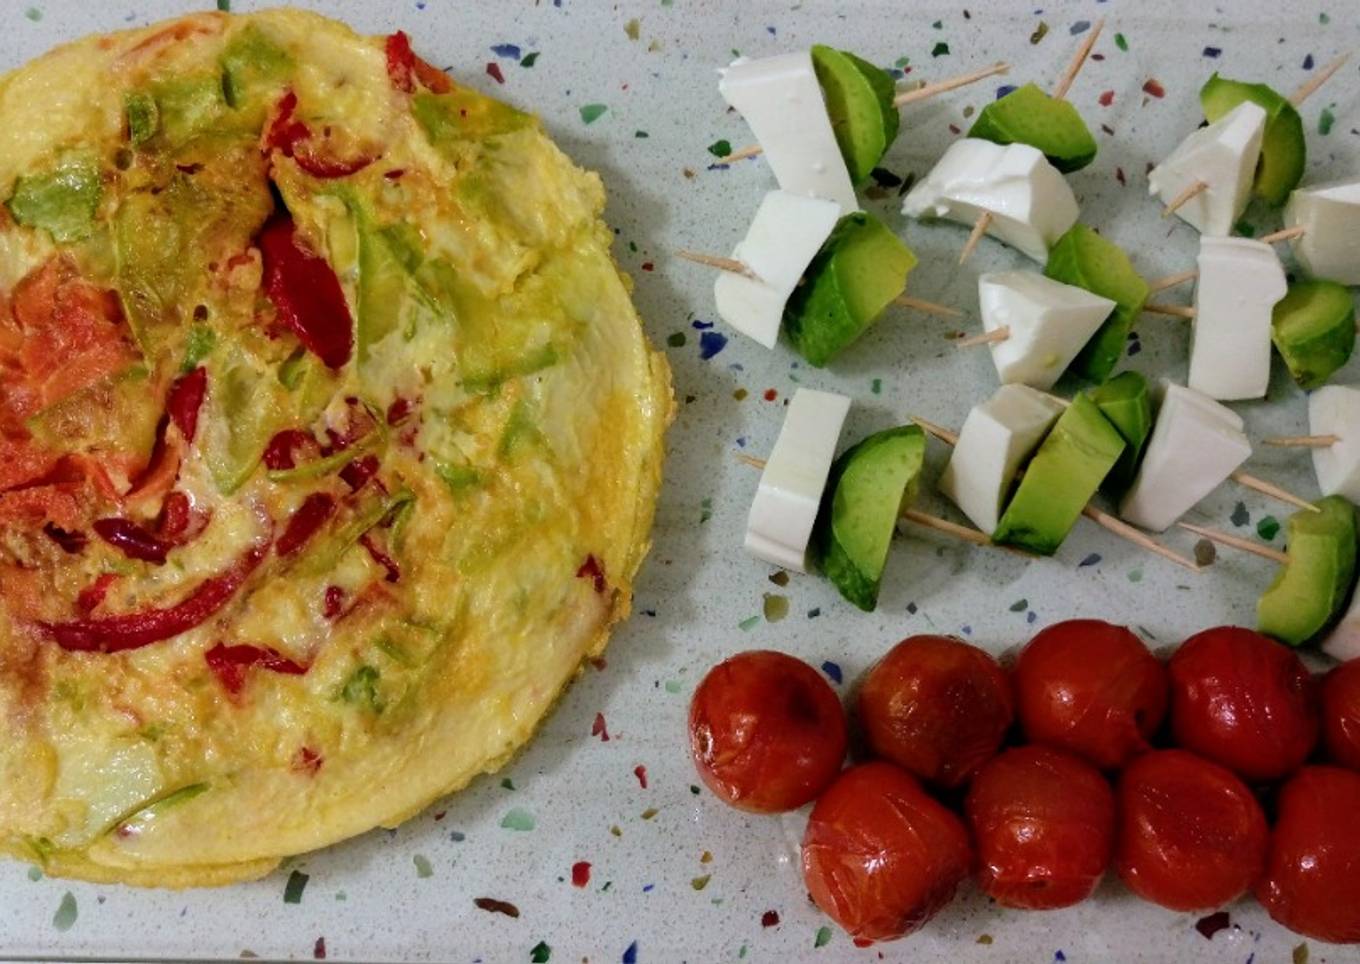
(790, 491)
(997, 438)
(783, 104)
(1049, 322)
(1223, 156)
(1030, 203)
(785, 236)
(1195, 445)
(1239, 282)
(1330, 216)
(1335, 410)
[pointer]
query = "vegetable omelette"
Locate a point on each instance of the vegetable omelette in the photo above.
(329, 442)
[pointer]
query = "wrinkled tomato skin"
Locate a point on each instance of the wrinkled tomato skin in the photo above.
(1341, 714)
(1312, 879)
(1245, 701)
(1091, 688)
(1192, 836)
(937, 707)
(880, 855)
(1043, 821)
(767, 731)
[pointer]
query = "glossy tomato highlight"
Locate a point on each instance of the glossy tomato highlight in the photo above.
(767, 731)
(1043, 823)
(937, 707)
(1312, 879)
(1245, 701)
(1092, 688)
(1191, 834)
(1341, 714)
(880, 855)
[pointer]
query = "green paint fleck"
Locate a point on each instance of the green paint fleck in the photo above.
(720, 148)
(741, 954)
(1324, 20)
(423, 868)
(776, 607)
(1040, 32)
(672, 687)
(705, 510)
(507, 784)
(341, 895)
(641, 134)
(699, 883)
(1325, 121)
(1268, 528)
(517, 819)
(876, 386)
(676, 339)
(607, 885)
(632, 246)
(1135, 575)
(34, 14)
(901, 62)
(940, 49)
(67, 912)
(633, 29)
(1020, 605)
(1301, 951)
(823, 937)
(590, 113)
(34, 874)
(297, 883)
(224, 6)
(984, 939)
(541, 952)
(694, 789)
(529, 59)
(1120, 42)
(938, 24)
(749, 623)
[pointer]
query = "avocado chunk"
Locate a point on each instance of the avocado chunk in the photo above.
(1067, 470)
(62, 200)
(188, 106)
(1313, 328)
(143, 117)
(1083, 258)
(1283, 151)
(859, 102)
(1124, 400)
(1309, 591)
(1028, 115)
(253, 65)
(861, 268)
(867, 488)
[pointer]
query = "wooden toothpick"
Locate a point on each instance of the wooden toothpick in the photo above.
(715, 261)
(1302, 441)
(1178, 311)
(1236, 542)
(986, 338)
(1172, 280)
(1284, 234)
(1318, 79)
(927, 307)
(980, 227)
(1271, 489)
(1190, 192)
(1180, 277)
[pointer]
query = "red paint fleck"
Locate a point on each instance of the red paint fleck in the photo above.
(307, 760)
(1106, 98)
(599, 729)
(1119, 176)
(955, 129)
(335, 602)
(593, 570)
(319, 949)
(648, 266)
(1154, 89)
(580, 873)
(493, 71)
(769, 919)
(863, 942)
(497, 906)
(1097, 56)
(440, 815)
(640, 772)
(770, 394)
(599, 663)
(1212, 924)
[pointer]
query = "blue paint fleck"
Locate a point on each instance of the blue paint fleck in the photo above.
(1004, 89)
(1213, 52)
(1090, 560)
(701, 325)
(1031, 616)
(457, 836)
(911, 608)
(966, 630)
(630, 955)
(1308, 62)
(719, 166)
(510, 51)
(647, 888)
(833, 671)
(771, 31)
(710, 343)
(1081, 26)
(1059, 956)
(1134, 348)
(814, 613)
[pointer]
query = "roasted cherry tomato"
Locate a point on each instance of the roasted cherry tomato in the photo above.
(1312, 879)
(1092, 688)
(767, 731)
(1245, 701)
(937, 707)
(880, 856)
(1191, 834)
(1043, 822)
(1341, 714)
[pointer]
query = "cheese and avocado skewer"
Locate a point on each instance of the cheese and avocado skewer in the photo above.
(1126, 402)
(1240, 280)
(1283, 150)
(1334, 427)
(1309, 591)
(1029, 115)
(1206, 181)
(1328, 245)
(1313, 328)
(859, 101)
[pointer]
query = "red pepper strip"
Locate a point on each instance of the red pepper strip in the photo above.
(432, 77)
(401, 62)
(310, 516)
(132, 540)
(334, 602)
(90, 598)
(279, 454)
(306, 293)
(293, 138)
(71, 543)
(381, 557)
(308, 760)
(174, 516)
(399, 411)
(185, 399)
(231, 663)
(593, 570)
(357, 473)
(114, 634)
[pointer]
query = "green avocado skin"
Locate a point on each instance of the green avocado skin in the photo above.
(1083, 258)
(1067, 470)
(866, 490)
(860, 269)
(1309, 592)
(1125, 401)
(1283, 148)
(1313, 328)
(1028, 115)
